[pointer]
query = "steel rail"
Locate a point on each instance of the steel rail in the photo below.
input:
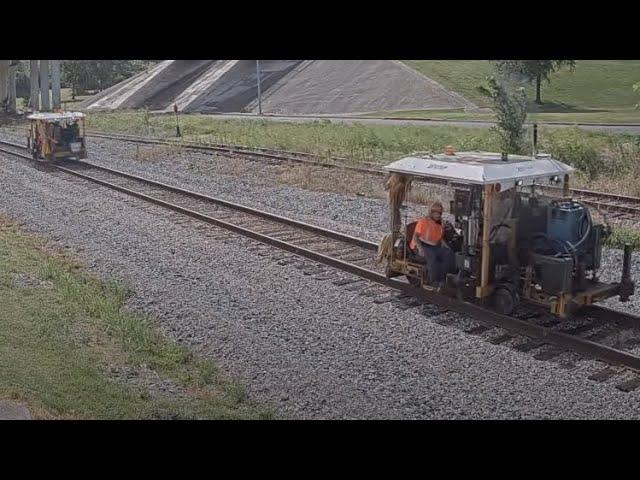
(341, 163)
(596, 199)
(481, 314)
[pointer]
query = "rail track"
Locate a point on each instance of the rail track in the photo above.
(599, 333)
(616, 207)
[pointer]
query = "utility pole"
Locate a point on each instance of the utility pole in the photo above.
(175, 110)
(259, 89)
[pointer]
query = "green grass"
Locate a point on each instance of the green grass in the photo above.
(461, 76)
(595, 84)
(620, 236)
(453, 114)
(67, 101)
(63, 334)
(65, 98)
(372, 143)
(626, 116)
(597, 91)
(605, 161)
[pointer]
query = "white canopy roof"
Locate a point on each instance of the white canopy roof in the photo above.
(52, 117)
(483, 168)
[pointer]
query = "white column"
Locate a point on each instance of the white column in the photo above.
(54, 66)
(45, 105)
(11, 90)
(34, 102)
(4, 80)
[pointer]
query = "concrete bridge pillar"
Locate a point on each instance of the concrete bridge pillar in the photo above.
(45, 104)
(34, 100)
(4, 80)
(11, 90)
(54, 66)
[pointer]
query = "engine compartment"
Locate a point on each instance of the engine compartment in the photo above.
(541, 246)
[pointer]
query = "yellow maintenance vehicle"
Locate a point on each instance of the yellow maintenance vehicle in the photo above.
(57, 136)
(512, 240)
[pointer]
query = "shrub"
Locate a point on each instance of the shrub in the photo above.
(572, 147)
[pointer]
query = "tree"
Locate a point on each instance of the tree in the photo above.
(23, 81)
(83, 75)
(510, 105)
(75, 74)
(533, 70)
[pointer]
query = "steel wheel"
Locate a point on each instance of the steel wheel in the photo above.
(504, 301)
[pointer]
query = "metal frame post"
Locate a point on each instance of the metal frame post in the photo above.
(484, 290)
(565, 187)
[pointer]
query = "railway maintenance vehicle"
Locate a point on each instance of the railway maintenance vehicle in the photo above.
(512, 239)
(57, 136)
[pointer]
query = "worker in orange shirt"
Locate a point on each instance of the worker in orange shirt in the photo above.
(429, 246)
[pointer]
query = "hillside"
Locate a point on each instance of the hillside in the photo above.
(288, 87)
(597, 88)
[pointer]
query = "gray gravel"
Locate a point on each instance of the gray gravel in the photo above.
(258, 187)
(308, 347)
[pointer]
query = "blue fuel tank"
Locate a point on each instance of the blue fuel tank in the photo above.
(566, 221)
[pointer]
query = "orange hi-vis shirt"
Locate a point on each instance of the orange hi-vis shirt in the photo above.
(429, 231)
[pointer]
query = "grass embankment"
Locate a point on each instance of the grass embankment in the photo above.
(609, 162)
(629, 116)
(596, 91)
(69, 350)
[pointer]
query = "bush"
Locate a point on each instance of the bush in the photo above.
(572, 147)
(510, 106)
(620, 236)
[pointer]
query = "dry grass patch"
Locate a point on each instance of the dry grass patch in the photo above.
(157, 153)
(332, 180)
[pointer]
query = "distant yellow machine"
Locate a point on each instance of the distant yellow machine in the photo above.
(57, 136)
(511, 241)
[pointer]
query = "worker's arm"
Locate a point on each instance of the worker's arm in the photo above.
(418, 244)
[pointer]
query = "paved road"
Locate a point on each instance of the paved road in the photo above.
(13, 411)
(607, 128)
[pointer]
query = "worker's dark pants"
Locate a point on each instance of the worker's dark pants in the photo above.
(439, 261)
